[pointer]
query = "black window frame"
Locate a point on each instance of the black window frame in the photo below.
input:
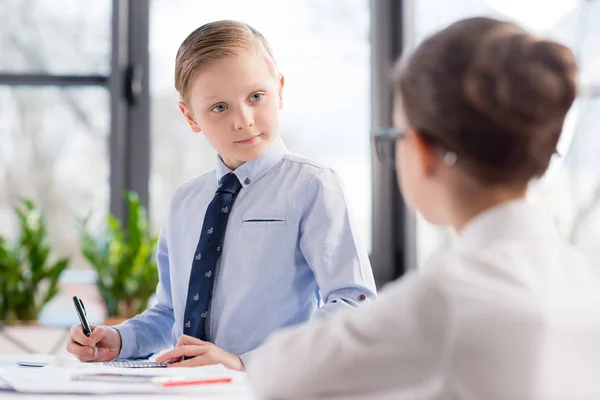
(394, 227)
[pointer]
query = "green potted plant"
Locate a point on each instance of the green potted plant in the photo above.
(28, 277)
(124, 260)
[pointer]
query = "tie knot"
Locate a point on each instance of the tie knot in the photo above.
(229, 184)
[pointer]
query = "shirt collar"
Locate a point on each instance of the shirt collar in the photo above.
(253, 170)
(517, 219)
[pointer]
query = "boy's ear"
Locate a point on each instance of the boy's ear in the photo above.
(280, 90)
(187, 113)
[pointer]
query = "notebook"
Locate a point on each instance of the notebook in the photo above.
(135, 364)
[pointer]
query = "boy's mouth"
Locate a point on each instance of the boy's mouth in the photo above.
(249, 140)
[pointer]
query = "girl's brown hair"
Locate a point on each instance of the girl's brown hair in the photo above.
(493, 94)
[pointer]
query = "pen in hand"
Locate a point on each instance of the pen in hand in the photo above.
(80, 308)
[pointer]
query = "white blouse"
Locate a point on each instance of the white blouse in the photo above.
(510, 312)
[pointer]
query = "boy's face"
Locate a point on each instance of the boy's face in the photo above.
(235, 102)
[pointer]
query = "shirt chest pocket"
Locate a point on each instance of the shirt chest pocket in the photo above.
(252, 221)
(264, 246)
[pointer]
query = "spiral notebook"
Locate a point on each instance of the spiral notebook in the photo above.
(135, 364)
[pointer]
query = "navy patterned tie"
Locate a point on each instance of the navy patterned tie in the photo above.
(210, 246)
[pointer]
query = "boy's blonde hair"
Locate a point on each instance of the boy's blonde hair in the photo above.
(214, 41)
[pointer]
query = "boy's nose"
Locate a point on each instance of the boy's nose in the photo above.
(243, 119)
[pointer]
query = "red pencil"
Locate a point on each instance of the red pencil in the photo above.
(196, 382)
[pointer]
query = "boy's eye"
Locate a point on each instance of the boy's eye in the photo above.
(219, 108)
(256, 96)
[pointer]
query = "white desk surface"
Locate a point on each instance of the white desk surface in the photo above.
(11, 360)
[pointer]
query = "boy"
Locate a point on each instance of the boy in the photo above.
(289, 248)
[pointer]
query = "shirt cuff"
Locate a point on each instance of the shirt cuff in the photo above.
(344, 300)
(127, 341)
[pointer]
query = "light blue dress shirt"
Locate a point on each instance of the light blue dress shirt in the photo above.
(290, 251)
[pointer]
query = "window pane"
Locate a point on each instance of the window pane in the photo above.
(55, 37)
(54, 151)
(571, 188)
(322, 47)
(587, 28)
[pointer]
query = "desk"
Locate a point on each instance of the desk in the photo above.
(11, 360)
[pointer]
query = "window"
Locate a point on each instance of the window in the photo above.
(55, 131)
(54, 151)
(571, 189)
(55, 37)
(55, 115)
(323, 49)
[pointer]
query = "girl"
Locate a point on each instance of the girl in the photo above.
(512, 311)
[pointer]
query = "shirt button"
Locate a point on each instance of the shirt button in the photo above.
(362, 297)
(247, 181)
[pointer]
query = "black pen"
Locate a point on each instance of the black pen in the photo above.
(80, 308)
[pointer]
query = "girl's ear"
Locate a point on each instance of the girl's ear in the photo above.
(189, 117)
(425, 151)
(280, 90)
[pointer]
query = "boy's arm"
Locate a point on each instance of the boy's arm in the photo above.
(329, 243)
(150, 331)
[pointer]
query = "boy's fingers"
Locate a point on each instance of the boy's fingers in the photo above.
(178, 352)
(194, 362)
(79, 337)
(186, 339)
(98, 334)
(169, 356)
(78, 350)
(102, 356)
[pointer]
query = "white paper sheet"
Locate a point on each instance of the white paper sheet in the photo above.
(57, 377)
(4, 385)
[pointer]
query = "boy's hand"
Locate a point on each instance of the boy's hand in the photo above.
(108, 341)
(203, 353)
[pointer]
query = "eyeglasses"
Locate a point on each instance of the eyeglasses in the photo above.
(384, 141)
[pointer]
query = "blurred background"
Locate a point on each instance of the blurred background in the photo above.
(91, 135)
